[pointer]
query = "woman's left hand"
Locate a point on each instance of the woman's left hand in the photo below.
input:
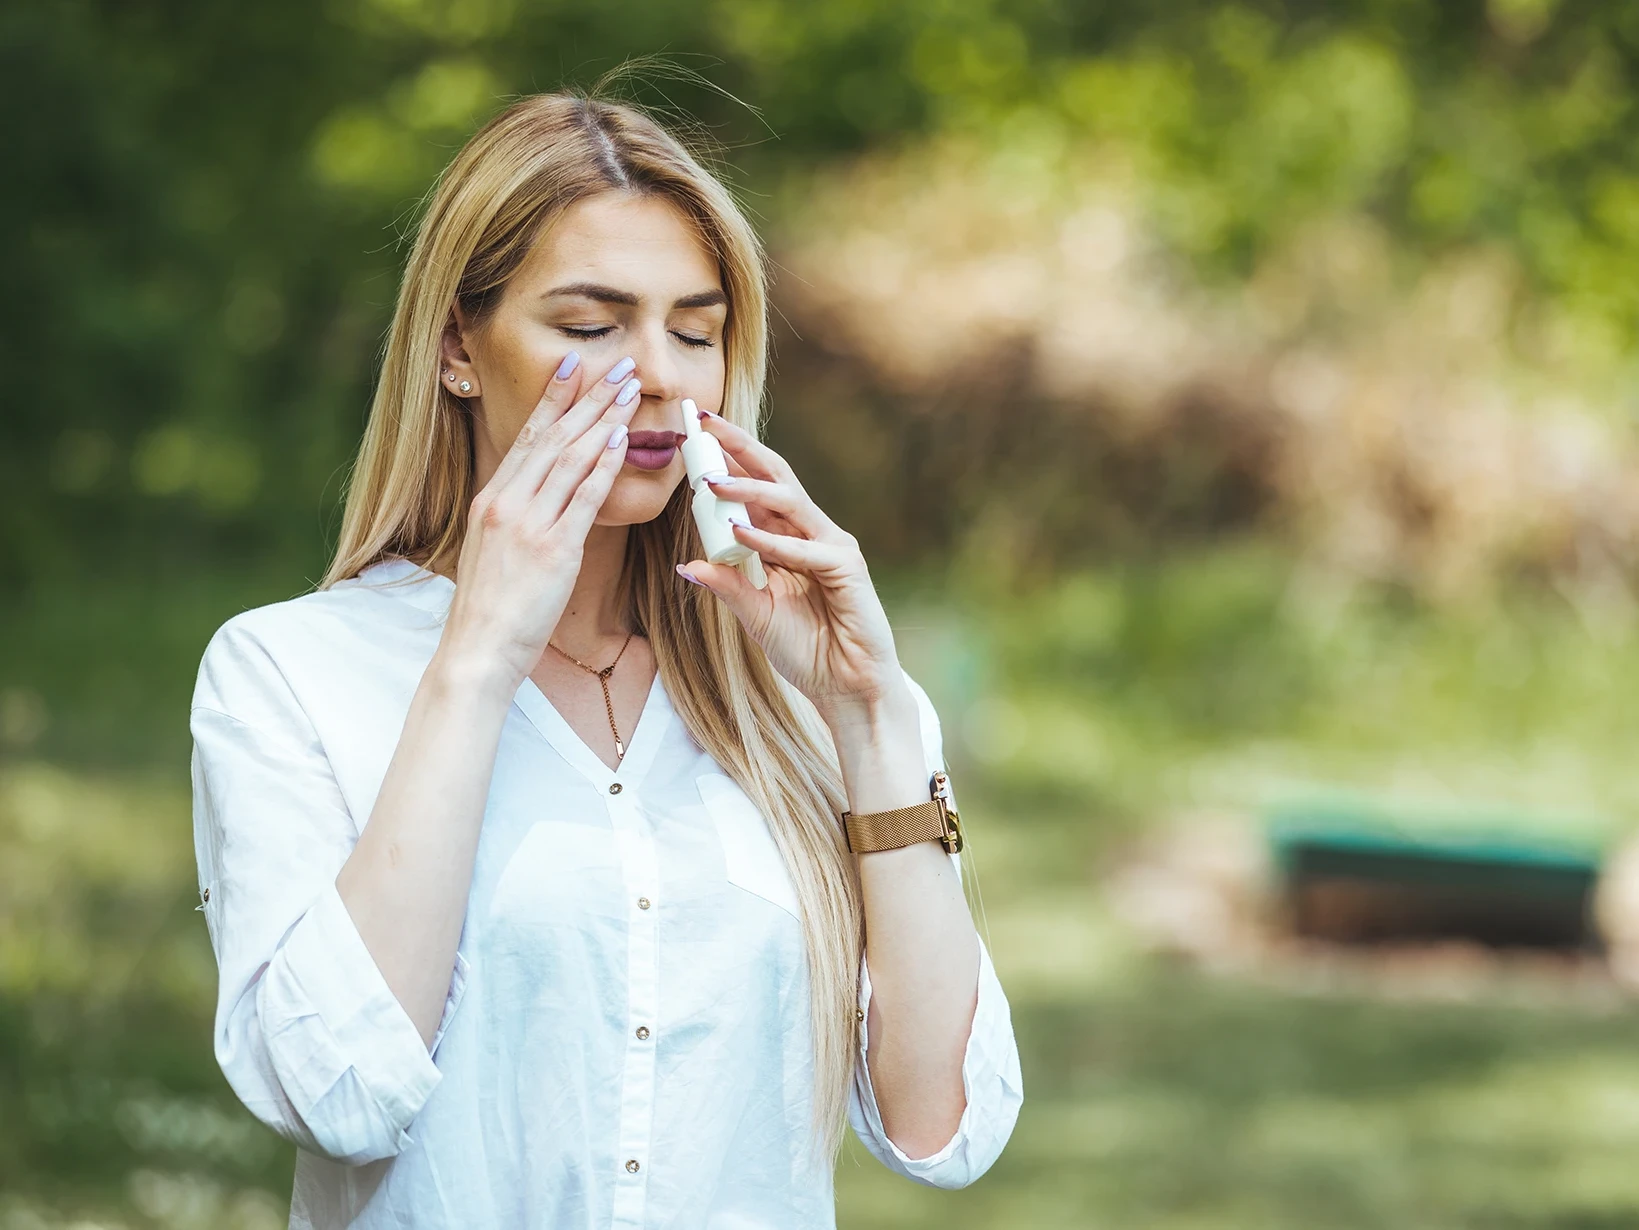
(819, 619)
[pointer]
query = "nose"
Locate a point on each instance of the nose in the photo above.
(656, 365)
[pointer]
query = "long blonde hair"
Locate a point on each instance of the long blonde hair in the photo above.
(410, 489)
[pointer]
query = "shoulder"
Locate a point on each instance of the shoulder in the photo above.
(247, 654)
(253, 656)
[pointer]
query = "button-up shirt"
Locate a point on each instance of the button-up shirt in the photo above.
(626, 1038)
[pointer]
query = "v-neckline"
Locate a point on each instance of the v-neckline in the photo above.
(556, 730)
(433, 591)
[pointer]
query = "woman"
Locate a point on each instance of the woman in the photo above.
(519, 840)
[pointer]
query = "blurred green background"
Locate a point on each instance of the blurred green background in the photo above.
(1236, 403)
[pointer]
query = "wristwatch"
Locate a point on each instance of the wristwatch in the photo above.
(935, 820)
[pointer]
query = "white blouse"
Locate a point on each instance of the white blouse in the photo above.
(626, 1039)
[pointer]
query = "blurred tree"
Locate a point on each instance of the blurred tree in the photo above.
(204, 228)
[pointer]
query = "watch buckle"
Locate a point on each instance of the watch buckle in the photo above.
(951, 838)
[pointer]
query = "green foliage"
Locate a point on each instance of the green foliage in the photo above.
(203, 245)
(201, 238)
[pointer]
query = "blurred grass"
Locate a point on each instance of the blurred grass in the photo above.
(113, 1104)
(1077, 716)
(1232, 677)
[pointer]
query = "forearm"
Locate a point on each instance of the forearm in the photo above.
(920, 942)
(406, 882)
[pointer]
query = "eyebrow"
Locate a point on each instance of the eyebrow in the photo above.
(625, 298)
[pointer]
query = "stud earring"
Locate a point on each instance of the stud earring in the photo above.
(450, 376)
(465, 386)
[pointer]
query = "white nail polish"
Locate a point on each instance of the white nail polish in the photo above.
(617, 435)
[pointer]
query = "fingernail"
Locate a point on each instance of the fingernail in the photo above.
(617, 435)
(689, 576)
(718, 476)
(620, 371)
(626, 395)
(570, 362)
(737, 519)
(705, 414)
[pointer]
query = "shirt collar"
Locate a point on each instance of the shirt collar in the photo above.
(410, 581)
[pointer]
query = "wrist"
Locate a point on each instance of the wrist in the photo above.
(879, 750)
(872, 714)
(462, 671)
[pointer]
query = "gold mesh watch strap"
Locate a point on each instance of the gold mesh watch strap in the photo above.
(889, 830)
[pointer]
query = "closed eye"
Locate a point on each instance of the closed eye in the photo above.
(591, 332)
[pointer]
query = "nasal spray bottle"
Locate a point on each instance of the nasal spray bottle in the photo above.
(703, 455)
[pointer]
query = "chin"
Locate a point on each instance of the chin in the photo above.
(639, 496)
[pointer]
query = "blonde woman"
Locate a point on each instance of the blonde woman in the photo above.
(520, 841)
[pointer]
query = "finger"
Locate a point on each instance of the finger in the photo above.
(791, 504)
(617, 389)
(572, 464)
(758, 460)
(588, 497)
(797, 554)
(560, 393)
(750, 605)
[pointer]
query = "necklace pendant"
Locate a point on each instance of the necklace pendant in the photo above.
(620, 749)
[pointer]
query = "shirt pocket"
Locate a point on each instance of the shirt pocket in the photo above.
(751, 859)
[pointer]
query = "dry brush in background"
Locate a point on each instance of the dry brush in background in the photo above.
(978, 331)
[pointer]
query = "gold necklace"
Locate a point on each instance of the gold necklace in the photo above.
(603, 679)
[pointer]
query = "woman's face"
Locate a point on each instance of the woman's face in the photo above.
(617, 276)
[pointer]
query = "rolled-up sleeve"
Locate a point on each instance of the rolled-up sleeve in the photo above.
(991, 1082)
(991, 1078)
(307, 1031)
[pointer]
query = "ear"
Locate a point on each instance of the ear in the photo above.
(456, 371)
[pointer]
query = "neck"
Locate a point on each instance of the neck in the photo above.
(595, 618)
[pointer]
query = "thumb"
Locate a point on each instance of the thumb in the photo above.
(727, 582)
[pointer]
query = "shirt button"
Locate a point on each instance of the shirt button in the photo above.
(643, 903)
(614, 787)
(633, 1166)
(642, 1033)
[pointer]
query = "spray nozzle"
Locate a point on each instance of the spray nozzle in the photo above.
(702, 454)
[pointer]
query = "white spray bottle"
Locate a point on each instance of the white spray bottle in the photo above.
(703, 455)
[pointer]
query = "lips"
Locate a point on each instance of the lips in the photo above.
(652, 450)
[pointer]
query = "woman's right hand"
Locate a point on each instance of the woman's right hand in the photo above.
(526, 530)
